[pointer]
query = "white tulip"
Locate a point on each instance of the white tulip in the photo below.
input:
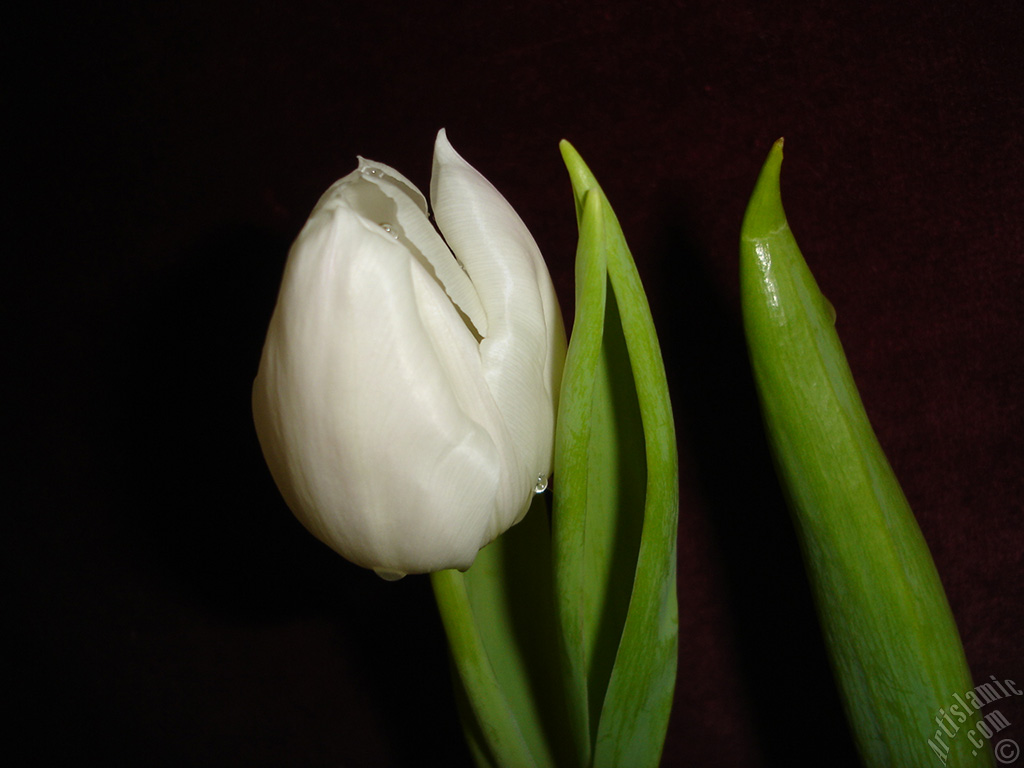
(405, 399)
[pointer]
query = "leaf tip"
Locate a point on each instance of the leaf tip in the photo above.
(765, 214)
(579, 174)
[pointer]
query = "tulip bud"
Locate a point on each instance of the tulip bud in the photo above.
(406, 395)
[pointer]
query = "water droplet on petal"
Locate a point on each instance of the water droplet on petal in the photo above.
(371, 171)
(542, 484)
(389, 229)
(388, 574)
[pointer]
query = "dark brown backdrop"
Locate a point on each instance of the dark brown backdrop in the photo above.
(165, 608)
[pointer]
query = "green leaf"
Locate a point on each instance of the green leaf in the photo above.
(894, 645)
(616, 502)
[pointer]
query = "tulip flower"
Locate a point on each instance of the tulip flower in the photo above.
(406, 395)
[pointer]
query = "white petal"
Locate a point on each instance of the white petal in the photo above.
(389, 198)
(524, 347)
(370, 402)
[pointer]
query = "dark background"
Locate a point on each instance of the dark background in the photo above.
(165, 608)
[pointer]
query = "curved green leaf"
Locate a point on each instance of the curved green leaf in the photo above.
(890, 633)
(616, 502)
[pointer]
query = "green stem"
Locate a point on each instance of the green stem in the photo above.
(497, 723)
